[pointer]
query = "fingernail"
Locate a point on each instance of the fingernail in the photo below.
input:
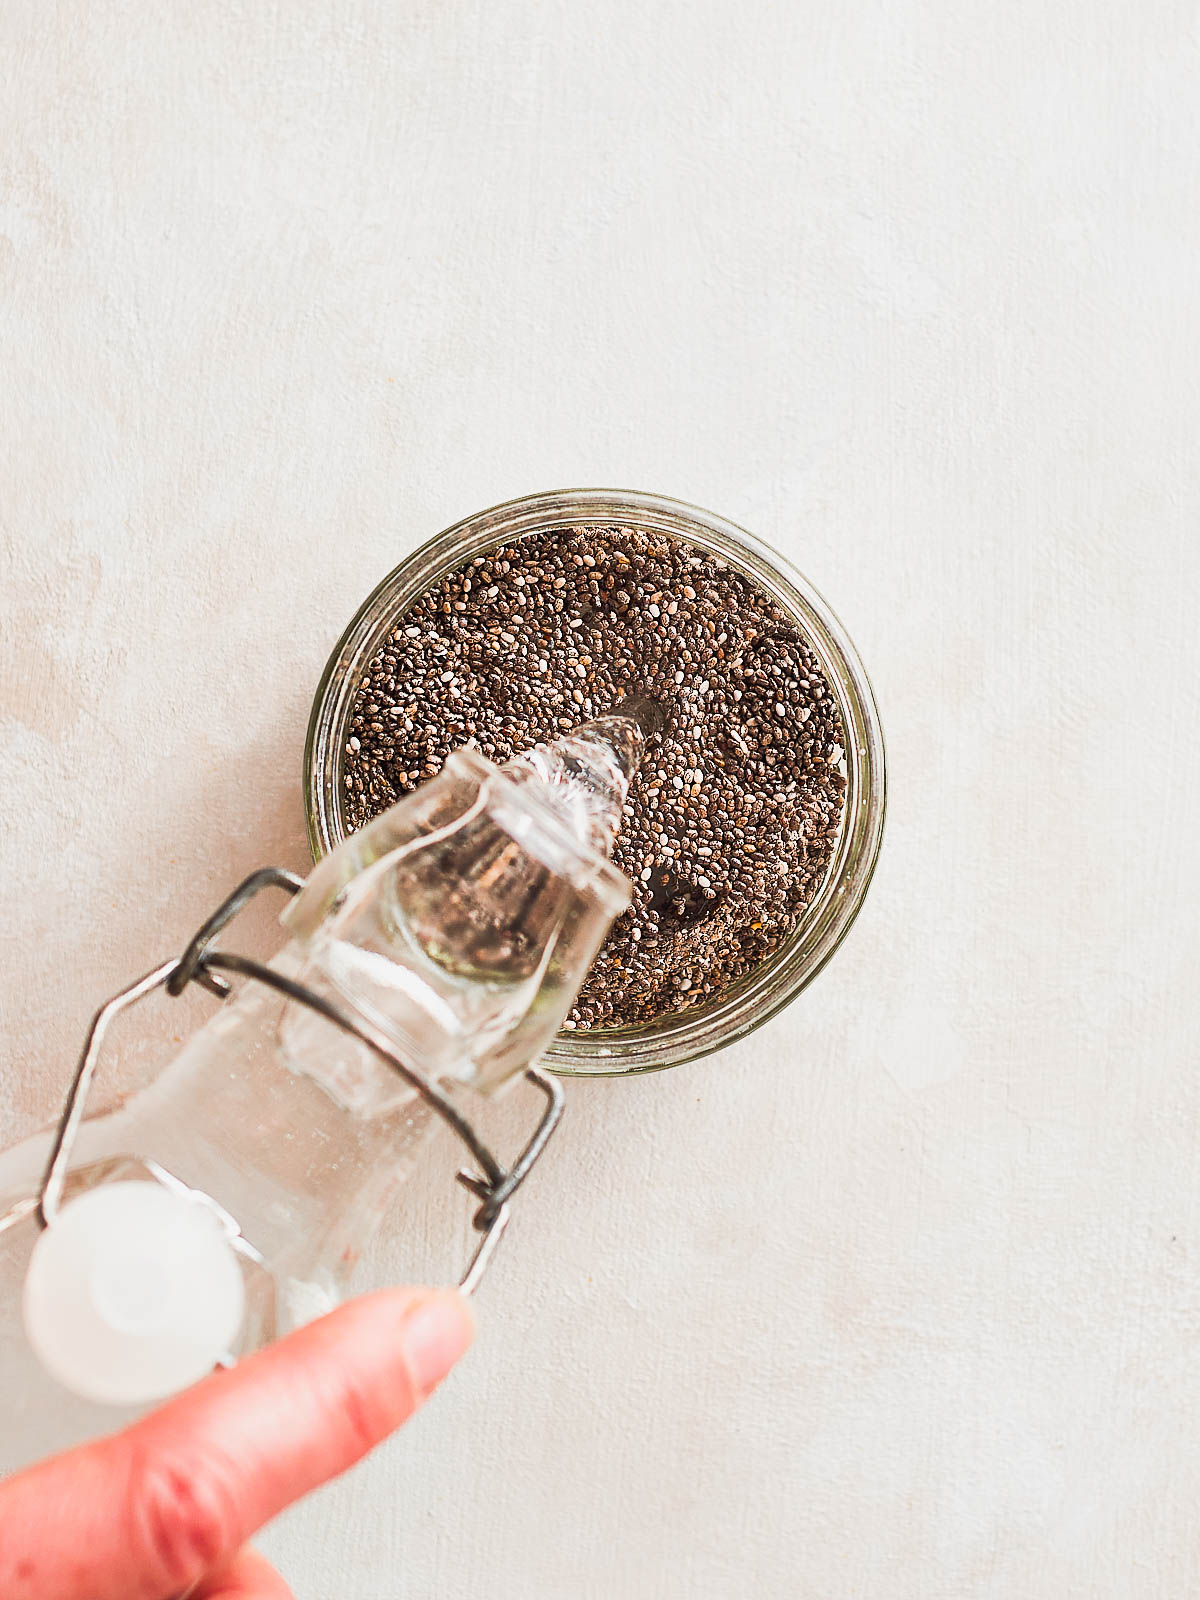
(435, 1334)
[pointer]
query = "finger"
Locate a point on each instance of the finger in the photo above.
(248, 1577)
(147, 1512)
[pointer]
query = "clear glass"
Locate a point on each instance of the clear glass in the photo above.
(456, 930)
(751, 1002)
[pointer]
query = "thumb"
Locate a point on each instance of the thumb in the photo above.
(248, 1577)
(144, 1514)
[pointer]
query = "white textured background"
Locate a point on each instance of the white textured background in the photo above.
(900, 1298)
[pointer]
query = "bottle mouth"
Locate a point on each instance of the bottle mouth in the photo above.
(650, 715)
(522, 810)
(585, 775)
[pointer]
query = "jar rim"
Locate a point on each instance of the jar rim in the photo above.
(761, 994)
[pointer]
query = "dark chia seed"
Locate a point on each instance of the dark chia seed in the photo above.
(733, 817)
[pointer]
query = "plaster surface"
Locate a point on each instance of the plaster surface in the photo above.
(899, 1297)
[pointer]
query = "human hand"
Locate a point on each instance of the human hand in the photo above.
(165, 1508)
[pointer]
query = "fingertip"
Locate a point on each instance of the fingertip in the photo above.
(248, 1577)
(436, 1332)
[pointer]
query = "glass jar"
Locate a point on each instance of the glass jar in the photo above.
(757, 997)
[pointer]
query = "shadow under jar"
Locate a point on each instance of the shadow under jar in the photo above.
(757, 995)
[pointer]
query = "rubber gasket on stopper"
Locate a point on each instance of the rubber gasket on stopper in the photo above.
(133, 1293)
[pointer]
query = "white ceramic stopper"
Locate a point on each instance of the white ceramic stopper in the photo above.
(133, 1292)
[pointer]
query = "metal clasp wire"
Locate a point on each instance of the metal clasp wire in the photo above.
(199, 963)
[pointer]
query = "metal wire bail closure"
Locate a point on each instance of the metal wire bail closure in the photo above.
(492, 1183)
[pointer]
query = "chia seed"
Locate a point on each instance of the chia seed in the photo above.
(731, 821)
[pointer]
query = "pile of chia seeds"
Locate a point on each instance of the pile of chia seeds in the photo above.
(733, 817)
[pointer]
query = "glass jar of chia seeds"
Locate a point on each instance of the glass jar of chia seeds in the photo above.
(757, 995)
